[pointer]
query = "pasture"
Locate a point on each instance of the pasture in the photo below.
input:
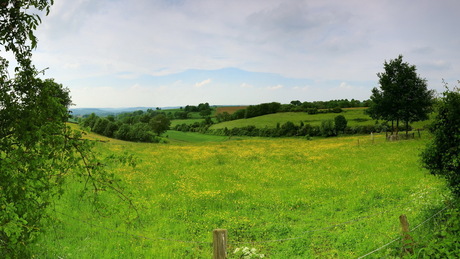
(229, 109)
(286, 197)
(354, 116)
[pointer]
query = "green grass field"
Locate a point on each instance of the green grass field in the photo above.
(286, 197)
(354, 117)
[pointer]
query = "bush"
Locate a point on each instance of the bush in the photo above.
(442, 155)
(328, 128)
(340, 123)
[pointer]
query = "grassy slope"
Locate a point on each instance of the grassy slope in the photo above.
(258, 189)
(191, 137)
(354, 116)
(271, 120)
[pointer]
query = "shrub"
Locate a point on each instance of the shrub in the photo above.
(442, 155)
(340, 123)
(328, 128)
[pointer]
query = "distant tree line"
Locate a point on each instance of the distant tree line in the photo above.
(203, 109)
(328, 128)
(136, 126)
(251, 111)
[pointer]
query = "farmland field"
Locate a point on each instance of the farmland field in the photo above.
(229, 109)
(286, 197)
(354, 116)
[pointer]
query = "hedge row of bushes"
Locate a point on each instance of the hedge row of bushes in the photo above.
(327, 129)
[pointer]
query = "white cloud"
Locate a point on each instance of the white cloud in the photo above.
(276, 87)
(246, 85)
(202, 83)
(322, 40)
(344, 85)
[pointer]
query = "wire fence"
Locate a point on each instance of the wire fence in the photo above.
(302, 235)
(400, 238)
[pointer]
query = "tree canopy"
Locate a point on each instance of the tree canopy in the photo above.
(402, 95)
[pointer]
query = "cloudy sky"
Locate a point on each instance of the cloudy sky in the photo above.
(158, 53)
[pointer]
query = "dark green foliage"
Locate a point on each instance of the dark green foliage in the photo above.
(340, 123)
(204, 113)
(296, 103)
(261, 109)
(288, 129)
(181, 115)
(337, 110)
(137, 126)
(442, 155)
(312, 111)
(403, 95)
(159, 124)
(225, 116)
(445, 243)
(328, 128)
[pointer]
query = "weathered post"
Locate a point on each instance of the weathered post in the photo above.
(407, 241)
(219, 243)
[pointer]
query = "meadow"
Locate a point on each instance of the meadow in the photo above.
(355, 117)
(286, 197)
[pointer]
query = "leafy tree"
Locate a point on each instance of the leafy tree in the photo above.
(205, 113)
(110, 129)
(203, 106)
(90, 120)
(224, 116)
(288, 129)
(141, 132)
(100, 125)
(38, 151)
(123, 132)
(181, 114)
(296, 102)
(340, 123)
(442, 156)
(403, 95)
(160, 124)
(328, 128)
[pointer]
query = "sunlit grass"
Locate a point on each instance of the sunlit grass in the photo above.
(260, 190)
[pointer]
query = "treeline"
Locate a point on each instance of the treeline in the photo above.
(289, 129)
(316, 107)
(137, 126)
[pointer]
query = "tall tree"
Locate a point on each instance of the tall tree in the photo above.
(37, 149)
(160, 124)
(340, 123)
(403, 95)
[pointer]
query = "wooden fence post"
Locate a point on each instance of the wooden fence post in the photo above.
(219, 243)
(407, 241)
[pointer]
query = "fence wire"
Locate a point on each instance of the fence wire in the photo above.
(399, 238)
